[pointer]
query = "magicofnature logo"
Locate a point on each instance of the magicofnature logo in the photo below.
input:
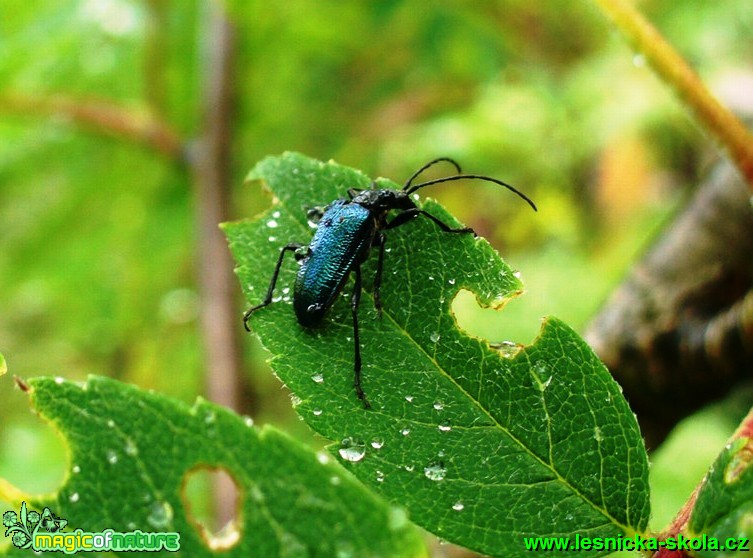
(23, 527)
(44, 532)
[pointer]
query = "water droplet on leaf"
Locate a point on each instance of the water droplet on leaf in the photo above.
(160, 514)
(435, 471)
(352, 450)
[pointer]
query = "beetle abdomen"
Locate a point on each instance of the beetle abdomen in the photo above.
(342, 241)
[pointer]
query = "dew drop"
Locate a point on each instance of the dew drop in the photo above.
(435, 471)
(352, 450)
(434, 337)
(272, 238)
(377, 443)
(516, 274)
(130, 448)
(444, 426)
(160, 514)
(317, 412)
(451, 281)
(322, 458)
(438, 405)
(286, 290)
(409, 468)
(458, 506)
(295, 400)
(276, 214)
(409, 398)
(76, 469)
(248, 421)
(431, 278)
(541, 371)
(272, 224)
(112, 457)
(318, 377)
(74, 497)
(59, 380)
(405, 431)
(379, 476)
(344, 549)
(111, 423)
(739, 462)
(508, 349)
(256, 494)
(597, 434)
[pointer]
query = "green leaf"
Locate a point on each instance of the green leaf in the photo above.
(130, 453)
(482, 447)
(724, 506)
(3, 365)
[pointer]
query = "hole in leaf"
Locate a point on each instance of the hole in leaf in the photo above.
(514, 322)
(30, 459)
(211, 498)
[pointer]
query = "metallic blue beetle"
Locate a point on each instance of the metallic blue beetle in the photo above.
(347, 230)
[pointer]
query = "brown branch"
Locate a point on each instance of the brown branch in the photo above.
(680, 523)
(155, 54)
(678, 332)
(212, 165)
(672, 68)
(99, 116)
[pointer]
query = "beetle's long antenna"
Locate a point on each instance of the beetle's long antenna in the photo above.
(426, 166)
(477, 176)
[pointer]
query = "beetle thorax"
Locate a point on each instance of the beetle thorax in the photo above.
(382, 201)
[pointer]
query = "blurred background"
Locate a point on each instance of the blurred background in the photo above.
(127, 127)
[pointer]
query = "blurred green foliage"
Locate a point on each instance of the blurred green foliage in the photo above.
(97, 242)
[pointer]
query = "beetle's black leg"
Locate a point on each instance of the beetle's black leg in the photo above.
(381, 239)
(353, 192)
(409, 214)
(355, 300)
(292, 247)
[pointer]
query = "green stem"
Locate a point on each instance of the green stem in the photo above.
(673, 69)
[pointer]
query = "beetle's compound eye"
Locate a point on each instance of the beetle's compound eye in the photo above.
(314, 215)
